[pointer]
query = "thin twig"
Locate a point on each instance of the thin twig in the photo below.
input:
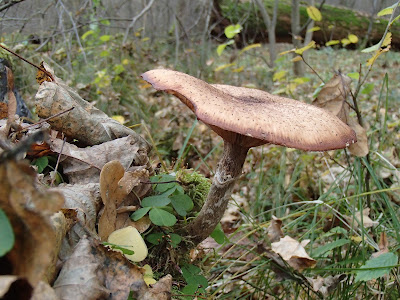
(135, 18)
(315, 72)
(58, 161)
(27, 61)
(45, 120)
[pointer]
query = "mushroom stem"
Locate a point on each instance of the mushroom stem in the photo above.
(229, 169)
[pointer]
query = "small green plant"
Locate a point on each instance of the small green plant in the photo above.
(7, 237)
(170, 198)
(196, 283)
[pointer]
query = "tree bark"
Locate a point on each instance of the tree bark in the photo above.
(229, 169)
(295, 26)
(270, 24)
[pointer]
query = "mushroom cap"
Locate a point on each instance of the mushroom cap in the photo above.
(251, 117)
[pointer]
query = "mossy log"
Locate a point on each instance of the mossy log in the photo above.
(336, 24)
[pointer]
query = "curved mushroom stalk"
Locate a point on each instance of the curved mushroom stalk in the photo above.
(228, 170)
(247, 118)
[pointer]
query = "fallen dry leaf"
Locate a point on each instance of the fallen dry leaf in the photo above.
(78, 279)
(94, 271)
(85, 123)
(82, 203)
(360, 148)
(44, 291)
(274, 230)
(83, 165)
(111, 194)
(29, 211)
(294, 253)
(333, 97)
(383, 245)
(326, 285)
(366, 220)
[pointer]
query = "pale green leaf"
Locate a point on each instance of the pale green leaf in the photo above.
(161, 217)
(329, 246)
(232, 30)
(7, 237)
(387, 11)
(140, 213)
(377, 267)
(371, 49)
(354, 75)
(156, 201)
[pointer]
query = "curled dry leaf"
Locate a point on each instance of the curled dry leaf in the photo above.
(83, 165)
(332, 98)
(85, 123)
(82, 203)
(366, 220)
(44, 291)
(95, 272)
(29, 211)
(294, 253)
(78, 278)
(115, 185)
(383, 245)
(326, 285)
(111, 194)
(274, 230)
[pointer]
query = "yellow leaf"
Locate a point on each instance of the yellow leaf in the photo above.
(356, 238)
(286, 52)
(297, 58)
(249, 47)
(219, 68)
(387, 10)
(302, 50)
(314, 13)
(315, 28)
(301, 80)
(353, 38)
(238, 70)
(371, 61)
(148, 275)
(125, 61)
(388, 39)
(119, 118)
(279, 75)
(332, 42)
(345, 42)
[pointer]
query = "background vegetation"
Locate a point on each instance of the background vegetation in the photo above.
(318, 196)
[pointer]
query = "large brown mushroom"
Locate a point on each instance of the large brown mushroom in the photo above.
(246, 118)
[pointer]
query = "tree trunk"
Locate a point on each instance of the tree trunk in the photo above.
(270, 25)
(296, 39)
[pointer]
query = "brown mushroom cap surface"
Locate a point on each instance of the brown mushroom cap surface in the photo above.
(252, 117)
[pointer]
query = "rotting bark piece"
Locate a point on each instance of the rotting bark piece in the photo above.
(245, 118)
(85, 123)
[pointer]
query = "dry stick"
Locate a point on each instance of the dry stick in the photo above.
(58, 161)
(45, 120)
(315, 72)
(27, 61)
(135, 18)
